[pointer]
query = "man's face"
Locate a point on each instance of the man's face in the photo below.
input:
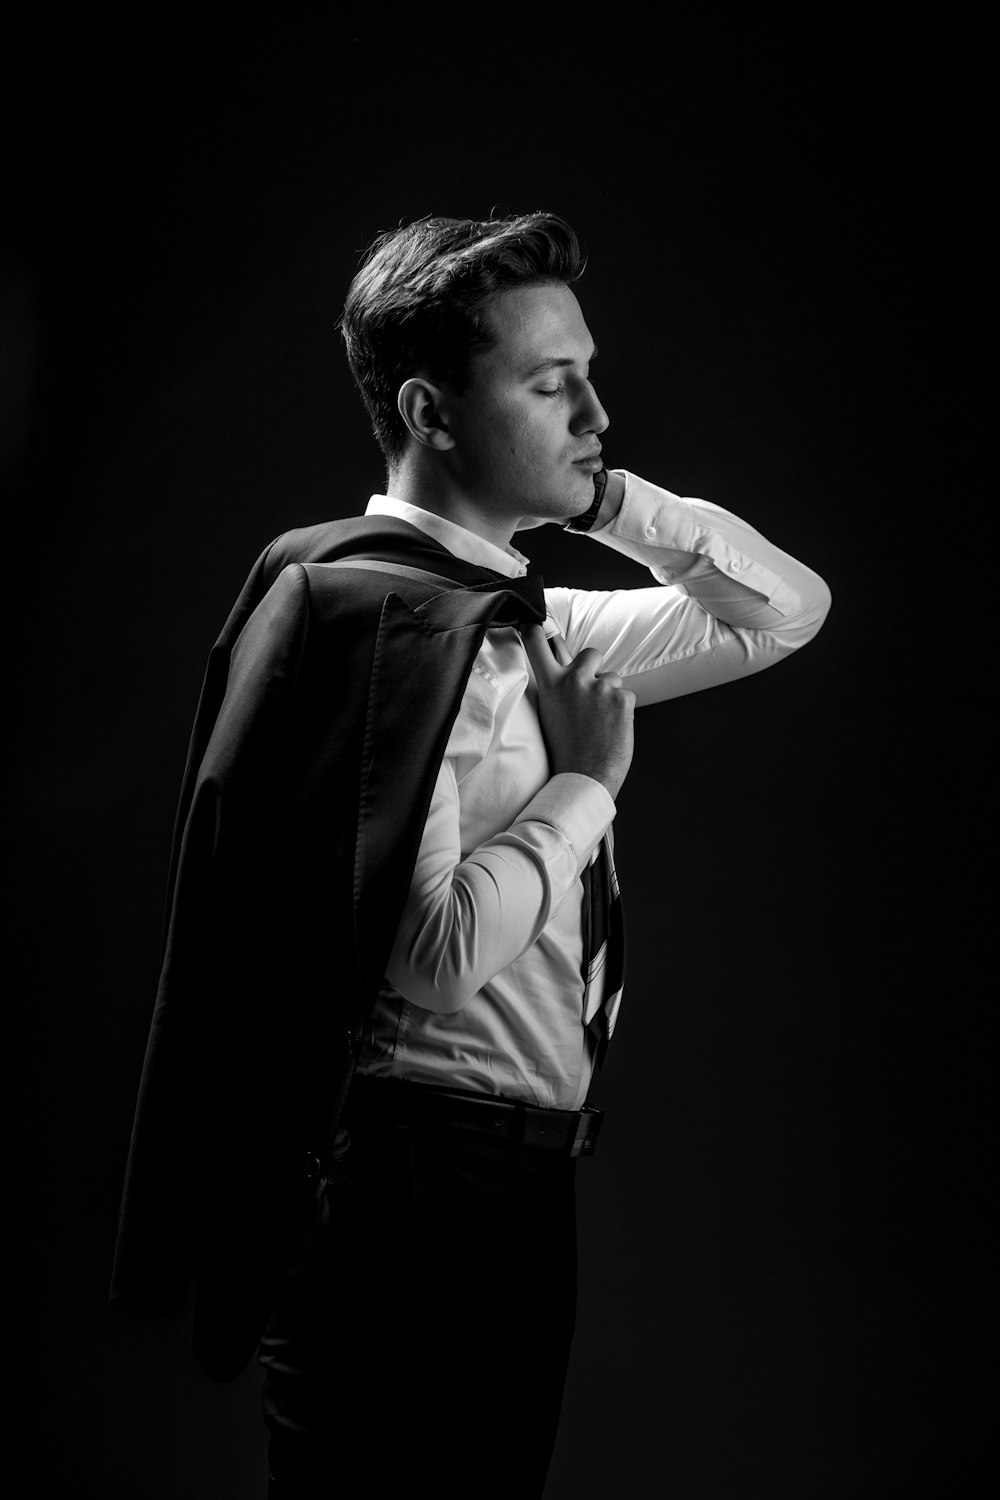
(526, 430)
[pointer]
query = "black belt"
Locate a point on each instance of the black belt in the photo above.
(391, 1101)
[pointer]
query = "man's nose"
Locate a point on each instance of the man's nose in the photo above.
(591, 416)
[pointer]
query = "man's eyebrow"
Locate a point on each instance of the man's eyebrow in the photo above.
(556, 363)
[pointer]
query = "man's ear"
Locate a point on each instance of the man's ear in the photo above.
(420, 406)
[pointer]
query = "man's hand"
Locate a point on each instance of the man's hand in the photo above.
(586, 714)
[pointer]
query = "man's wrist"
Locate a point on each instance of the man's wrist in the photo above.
(611, 502)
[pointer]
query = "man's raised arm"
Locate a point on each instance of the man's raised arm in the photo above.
(733, 603)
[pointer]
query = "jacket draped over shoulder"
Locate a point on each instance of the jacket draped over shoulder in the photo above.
(323, 719)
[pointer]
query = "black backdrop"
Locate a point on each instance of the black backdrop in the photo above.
(782, 226)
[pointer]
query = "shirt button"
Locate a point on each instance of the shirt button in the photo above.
(736, 565)
(650, 530)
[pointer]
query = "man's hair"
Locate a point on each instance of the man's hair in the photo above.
(416, 305)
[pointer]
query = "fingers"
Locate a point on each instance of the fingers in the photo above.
(589, 662)
(560, 650)
(543, 663)
(549, 654)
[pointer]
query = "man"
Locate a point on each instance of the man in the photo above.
(484, 730)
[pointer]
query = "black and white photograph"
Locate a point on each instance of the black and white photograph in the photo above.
(493, 772)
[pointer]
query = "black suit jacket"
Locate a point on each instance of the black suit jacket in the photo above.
(323, 719)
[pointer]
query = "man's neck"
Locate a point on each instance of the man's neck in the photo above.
(434, 492)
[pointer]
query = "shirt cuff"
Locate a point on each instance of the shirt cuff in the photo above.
(577, 807)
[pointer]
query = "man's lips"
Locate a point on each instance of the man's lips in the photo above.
(593, 462)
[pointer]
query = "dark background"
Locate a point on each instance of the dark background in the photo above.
(785, 229)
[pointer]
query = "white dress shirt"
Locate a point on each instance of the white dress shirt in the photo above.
(484, 989)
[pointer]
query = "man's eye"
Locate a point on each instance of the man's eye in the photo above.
(553, 391)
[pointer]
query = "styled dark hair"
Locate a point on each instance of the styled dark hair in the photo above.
(416, 305)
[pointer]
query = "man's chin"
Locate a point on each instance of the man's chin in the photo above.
(559, 510)
(530, 523)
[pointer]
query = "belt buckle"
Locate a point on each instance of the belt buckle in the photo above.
(587, 1130)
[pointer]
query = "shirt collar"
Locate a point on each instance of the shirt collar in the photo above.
(457, 539)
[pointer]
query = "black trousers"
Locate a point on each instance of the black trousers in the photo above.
(422, 1334)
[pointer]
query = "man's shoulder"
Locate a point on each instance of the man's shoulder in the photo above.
(344, 571)
(325, 541)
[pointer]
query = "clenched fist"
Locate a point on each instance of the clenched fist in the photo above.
(586, 714)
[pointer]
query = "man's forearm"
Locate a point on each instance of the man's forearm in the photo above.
(734, 602)
(695, 545)
(466, 919)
